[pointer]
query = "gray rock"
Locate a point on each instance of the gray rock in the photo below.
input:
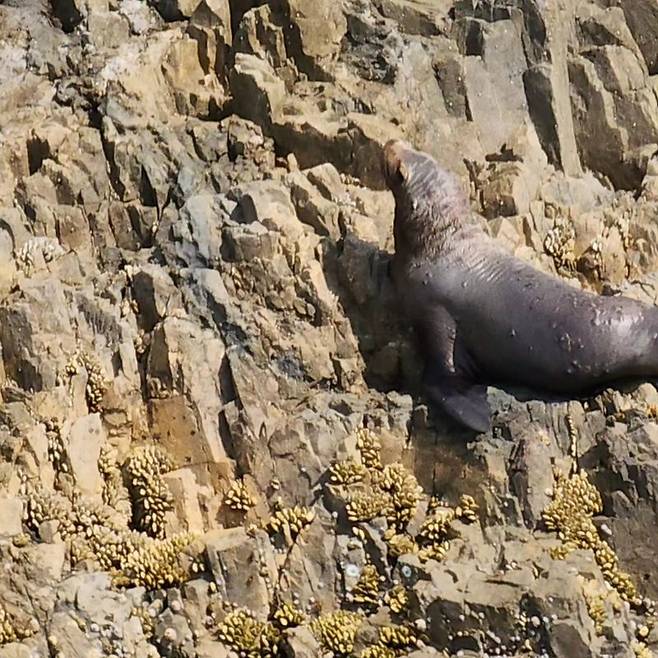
(259, 92)
(641, 19)
(186, 360)
(312, 208)
(243, 567)
(86, 437)
(301, 643)
(11, 516)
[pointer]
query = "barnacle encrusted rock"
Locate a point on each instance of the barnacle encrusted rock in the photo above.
(155, 563)
(56, 447)
(115, 493)
(347, 472)
(149, 492)
(575, 501)
(559, 243)
(467, 509)
(238, 497)
(229, 281)
(366, 505)
(250, 637)
(287, 615)
(13, 629)
(435, 528)
(291, 520)
(398, 637)
(96, 380)
(370, 448)
(36, 249)
(336, 631)
(641, 650)
(134, 559)
(397, 598)
(391, 491)
(403, 491)
(399, 543)
(366, 590)
(596, 610)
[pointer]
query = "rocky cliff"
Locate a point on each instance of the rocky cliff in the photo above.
(212, 436)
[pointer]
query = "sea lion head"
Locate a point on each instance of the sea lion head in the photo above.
(429, 200)
(398, 165)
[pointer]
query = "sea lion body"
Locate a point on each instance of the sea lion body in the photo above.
(483, 316)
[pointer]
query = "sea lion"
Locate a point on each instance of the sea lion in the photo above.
(483, 316)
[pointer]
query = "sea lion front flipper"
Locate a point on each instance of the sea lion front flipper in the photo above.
(461, 399)
(446, 378)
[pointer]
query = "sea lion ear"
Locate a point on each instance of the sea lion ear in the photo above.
(403, 172)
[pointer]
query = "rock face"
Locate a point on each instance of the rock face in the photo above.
(196, 326)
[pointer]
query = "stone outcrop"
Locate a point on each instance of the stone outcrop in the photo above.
(197, 324)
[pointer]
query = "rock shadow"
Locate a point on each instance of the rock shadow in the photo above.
(358, 273)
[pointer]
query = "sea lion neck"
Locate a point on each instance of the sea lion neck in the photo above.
(430, 204)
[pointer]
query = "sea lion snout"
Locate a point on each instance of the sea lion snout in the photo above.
(393, 161)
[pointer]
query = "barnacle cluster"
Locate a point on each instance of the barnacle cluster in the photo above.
(366, 590)
(11, 629)
(250, 637)
(392, 492)
(593, 259)
(56, 449)
(92, 534)
(397, 598)
(290, 520)
(155, 563)
(435, 528)
(365, 505)
(433, 534)
(115, 494)
(39, 247)
(575, 501)
(560, 242)
(145, 619)
(399, 543)
(336, 631)
(370, 449)
(347, 472)
(96, 381)
(467, 510)
(150, 495)
(238, 497)
(287, 616)
(596, 610)
(397, 637)
(641, 650)
(403, 492)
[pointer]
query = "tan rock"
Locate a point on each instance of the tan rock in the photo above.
(259, 94)
(186, 360)
(321, 26)
(259, 35)
(243, 567)
(312, 208)
(196, 91)
(269, 203)
(11, 515)
(86, 437)
(191, 500)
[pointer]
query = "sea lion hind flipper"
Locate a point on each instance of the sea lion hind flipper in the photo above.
(466, 402)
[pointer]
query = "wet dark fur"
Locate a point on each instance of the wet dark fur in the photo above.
(483, 316)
